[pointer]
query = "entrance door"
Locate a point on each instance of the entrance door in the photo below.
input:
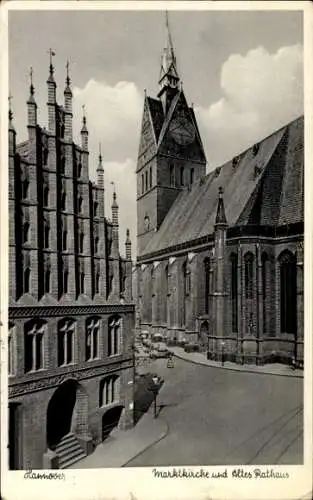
(60, 412)
(110, 420)
(204, 334)
(14, 436)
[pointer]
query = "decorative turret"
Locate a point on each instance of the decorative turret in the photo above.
(220, 220)
(84, 132)
(51, 97)
(100, 171)
(169, 78)
(31, 103)
(68, 114)
(128, 246)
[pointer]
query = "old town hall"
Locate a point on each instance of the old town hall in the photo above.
(71, 317)
(220, 253)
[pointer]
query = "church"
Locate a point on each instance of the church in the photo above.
(220, 253)
(71, 315)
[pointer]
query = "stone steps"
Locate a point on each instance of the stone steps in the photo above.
(69, 451)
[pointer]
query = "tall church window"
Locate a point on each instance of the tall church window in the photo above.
(142, 183)
(150, 177)
(206, 284)
(92, 338)
(182, 172)
(114, 335)
(79, 170)
(249, 260)
(64, 239)
(96, 244)
(33, 346)
(192, 174)
(265, 263)
(146, 180)
(172, 175)
(288, 293)
(66, 330)
(46, 196)
(234, 291)
(109, 390)
(82, 282)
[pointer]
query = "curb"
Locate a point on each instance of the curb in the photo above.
(234, 369)
(163, 435)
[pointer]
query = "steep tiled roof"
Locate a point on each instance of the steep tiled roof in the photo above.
(264, 187)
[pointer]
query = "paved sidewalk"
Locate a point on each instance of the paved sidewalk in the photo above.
(269, 369)
(122, 446)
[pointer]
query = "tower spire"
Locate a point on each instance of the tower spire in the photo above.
(31, 87)
(169, 78)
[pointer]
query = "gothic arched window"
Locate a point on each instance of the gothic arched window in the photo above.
(150, 177)
(182, 170)
(142, 184)
(33, 345)
(66, 328)
(95, 208)
(288, 292)
(63, 199)
(206, 264)
(234, 291)
(96, 243)
(172, 175)
(192, 174)
(64, 276)
(92, 338)
(249, 260)
(79, 170)
(109, 390)
(114, 335)
(26, 280)
(80, 204)
(146, 180)
(265, 264)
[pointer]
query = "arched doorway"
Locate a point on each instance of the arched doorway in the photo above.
(110, 420)
(204, 334)
(67, 412)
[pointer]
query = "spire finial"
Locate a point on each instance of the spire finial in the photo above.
(169, 38)
(68, 80)
(100, 155)
(32, 90)
(84, 114)
(10, 107)
(51, 53)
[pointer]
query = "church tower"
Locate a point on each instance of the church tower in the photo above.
(171, 155)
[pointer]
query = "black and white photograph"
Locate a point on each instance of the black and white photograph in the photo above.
(155, 244)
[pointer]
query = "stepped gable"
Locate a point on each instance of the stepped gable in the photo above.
(264, 186)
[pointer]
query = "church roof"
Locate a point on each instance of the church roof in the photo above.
(262, 186)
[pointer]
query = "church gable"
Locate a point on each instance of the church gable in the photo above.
(179, 134)
(147, 147)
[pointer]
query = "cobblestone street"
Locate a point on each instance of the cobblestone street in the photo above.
(221, 417)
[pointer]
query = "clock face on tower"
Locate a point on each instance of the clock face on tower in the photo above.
(182, 131)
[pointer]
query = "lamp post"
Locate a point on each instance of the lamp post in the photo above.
(154, 388)
(223, 346)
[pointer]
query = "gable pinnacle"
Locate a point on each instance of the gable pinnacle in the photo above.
(220, 212)
(10, 110)
(51, 68)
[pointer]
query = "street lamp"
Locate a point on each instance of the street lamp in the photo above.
(223, 346)
(154, 388)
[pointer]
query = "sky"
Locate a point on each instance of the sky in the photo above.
(243, 72)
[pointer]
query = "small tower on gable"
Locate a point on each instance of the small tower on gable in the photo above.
(68, 111)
